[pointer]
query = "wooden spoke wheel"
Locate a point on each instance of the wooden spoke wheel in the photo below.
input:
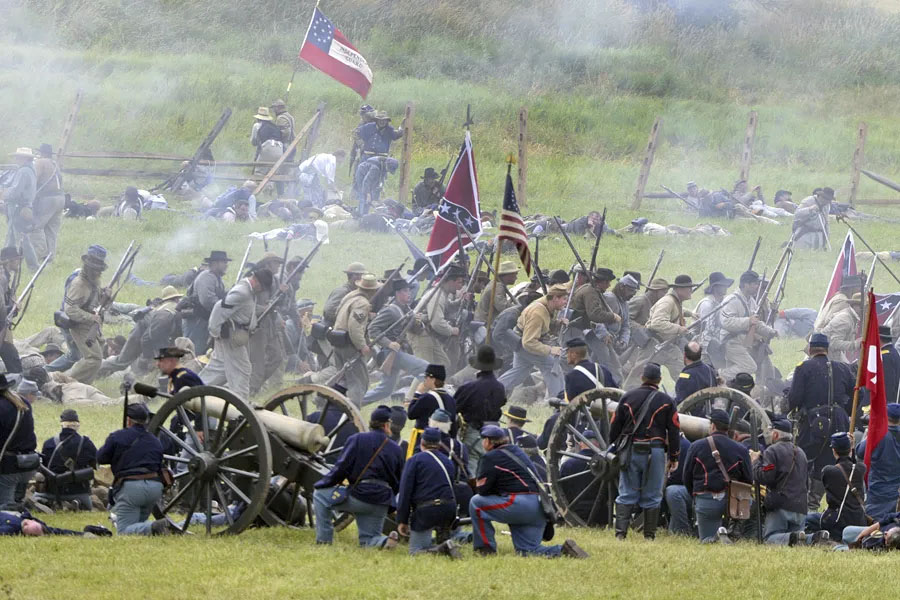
(332, 410)
(700, 403)
(583, 489)
(226, 461)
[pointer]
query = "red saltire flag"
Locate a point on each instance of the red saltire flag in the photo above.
(886, 307)
(326, 48)
(845, 265)
(459, 205)
(871, 378)
(512, 227)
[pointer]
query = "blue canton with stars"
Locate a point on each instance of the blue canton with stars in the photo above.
(321, 32)
(451, 212)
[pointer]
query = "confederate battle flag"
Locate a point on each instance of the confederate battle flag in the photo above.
(844, 266)
(458, 215)
(326, 48)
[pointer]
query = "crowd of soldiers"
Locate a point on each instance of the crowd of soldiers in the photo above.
(450, 360)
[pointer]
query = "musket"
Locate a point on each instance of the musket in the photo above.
(21, 303)
(696, 323)
(659, 260)
(487, 263)
(299, 269)
(463, 257)
(537, 266)
(409, 318)
(469, 285)
(824, 230)
(597, 240)
(444, 171)
(680, 197)
(572, 248)
(843, 220)
(754, 444)
(755, 251)
(119, 278)
(565, 312)
(287, 247)
(386, 286)
(243, 261)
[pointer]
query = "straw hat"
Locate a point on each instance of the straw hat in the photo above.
(23, 153)
(262, 114)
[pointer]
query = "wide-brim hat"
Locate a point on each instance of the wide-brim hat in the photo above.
(381, 115)
(658, 284)
(682, 281)
(603, 274)
(312, 213)
(217, 255)
(508, 267)
(170, 352)
(93, 262)
(23, 153)
(430, 173)
(718, 278)
(356, 268)
(885, 333)
(367, 282)
(279, 103)
(51, 348)
(486, 360)
(5, 383)
(518, 413)
(170, 293)
(262, 114)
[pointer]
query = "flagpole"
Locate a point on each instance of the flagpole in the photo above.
(872, 250)
(297, 61)
(859, 370)
(497, 248)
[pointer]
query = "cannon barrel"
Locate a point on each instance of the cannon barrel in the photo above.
(694, 428)
(299, 434)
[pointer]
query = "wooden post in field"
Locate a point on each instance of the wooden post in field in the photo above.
(67, 129)
(406, 153)
(645, 166)
(523, 156)
(859, 156)
(277, 164)
(747, 154)
(313, 132)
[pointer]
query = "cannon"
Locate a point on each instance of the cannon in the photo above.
(258, 464)
(585, 496)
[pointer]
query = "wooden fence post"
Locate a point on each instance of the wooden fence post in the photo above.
(521, 195)
(646, 164)
(67, 129)
(859, 156)
(313, 133)
(749, 138)
(406, 153)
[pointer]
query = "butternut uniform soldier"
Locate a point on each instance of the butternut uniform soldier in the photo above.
(535, 324)
(843, 332)
(430, 344)
(710, 336)
(266, 348)
(590, 312)
(850, 284)
(638, 315)
(354, 272)
(353, 317)
(740, 321)
(81, 302)
(666, 324)
(507, 274)
(49, 203)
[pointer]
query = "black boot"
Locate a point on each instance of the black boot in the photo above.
(623, 520)
(651, 518)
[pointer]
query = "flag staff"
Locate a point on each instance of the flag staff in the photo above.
(510, 161)
(843, 220)
(859, 371)
(297, 61)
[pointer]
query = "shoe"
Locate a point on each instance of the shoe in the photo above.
(722, 535)
(821, 538)
(392, 540)
(485, 551)
(651, 518)
(573, 550)
(794, 538)
(450, 549)
(160, 527)
(97, 530)
(623, 520)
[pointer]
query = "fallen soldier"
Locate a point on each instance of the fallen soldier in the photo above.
(23, 523)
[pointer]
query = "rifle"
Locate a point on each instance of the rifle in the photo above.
(463, 257)
(755, 251)
(754, 445)
(680, 197)
(537, 266)
(388, 363)
(386, 286)
(584, 268)
(444, 171)
(565, 312)
(298, 269)
(656, 266)
(824, 230)
(666, 343)
(597, 240)
(487, 263)
(464, 305)
(118, 280)
(21, 303)
(284, 260)
(243, 261)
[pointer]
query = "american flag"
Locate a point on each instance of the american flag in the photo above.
(512, 227)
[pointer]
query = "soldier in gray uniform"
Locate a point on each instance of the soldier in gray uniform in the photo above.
(710, 336)
(353, 318)
(49, 202)
(507, 275)
(619, 333)
(810, 227)
(18, 201)
(207, 289)
(431, 343)
(230, 323)
(83, 296)
(354, 272)
(742, 328)
(266, 347)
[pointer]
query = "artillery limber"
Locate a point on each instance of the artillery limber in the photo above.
(585, 497)
(237, 465)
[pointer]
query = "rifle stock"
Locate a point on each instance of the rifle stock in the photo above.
(17, 311)
(276, 298)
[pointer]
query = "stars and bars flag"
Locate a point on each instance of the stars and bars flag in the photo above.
(459, 205)
(844, 266)
(512, 227)
(871, 378)
(886, 306)
(326, 48)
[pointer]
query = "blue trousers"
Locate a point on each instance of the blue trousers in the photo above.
(851, 532)
(709, 508)
(83, 499)
(780, 524)
(13, 487)
(67, 360)
(878, 505)
(369, 518)
(197, 330)
(403, 363)
(679, 502)
(525, 362)
(523, 514)
(642, 482)
(133, 505)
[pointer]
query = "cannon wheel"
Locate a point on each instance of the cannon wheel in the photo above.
(300, 402)
(727, 399)
(223, 462)
(588, 410)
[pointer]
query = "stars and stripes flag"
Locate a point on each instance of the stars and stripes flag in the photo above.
(326, 48)
(871, 378)
(458, 214)
(512, 227)
(844, 266)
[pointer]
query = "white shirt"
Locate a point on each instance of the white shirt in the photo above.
(324, 164)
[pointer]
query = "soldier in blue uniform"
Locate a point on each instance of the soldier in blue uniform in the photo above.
(430, 396)
(480, 401)
(23, 523)
(696, 374)
(821, 395)
(426, 504)
(179, 377)
(373, 464)
(890, 360)
(377, 136)
(844, 490)
(507, 492)
(18, 459)
(654, 436)
(585, 374)
(679, 503)
(884, 477)
(69, 452)
(135, 456)
(517, 417)
(703, 476)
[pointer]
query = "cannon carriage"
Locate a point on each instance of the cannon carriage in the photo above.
(237, 465)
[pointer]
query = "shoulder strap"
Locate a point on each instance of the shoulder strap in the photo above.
(850, 486)
(444, 469)
(437, 397)
(830, 384)
(715, 453)
(59, 442)
(519, 462)
(593, 379)
(645, 408)
(371, 460)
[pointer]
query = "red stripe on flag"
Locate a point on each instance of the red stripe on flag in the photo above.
(334, 68)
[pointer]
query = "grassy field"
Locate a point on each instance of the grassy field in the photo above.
(156, 76)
